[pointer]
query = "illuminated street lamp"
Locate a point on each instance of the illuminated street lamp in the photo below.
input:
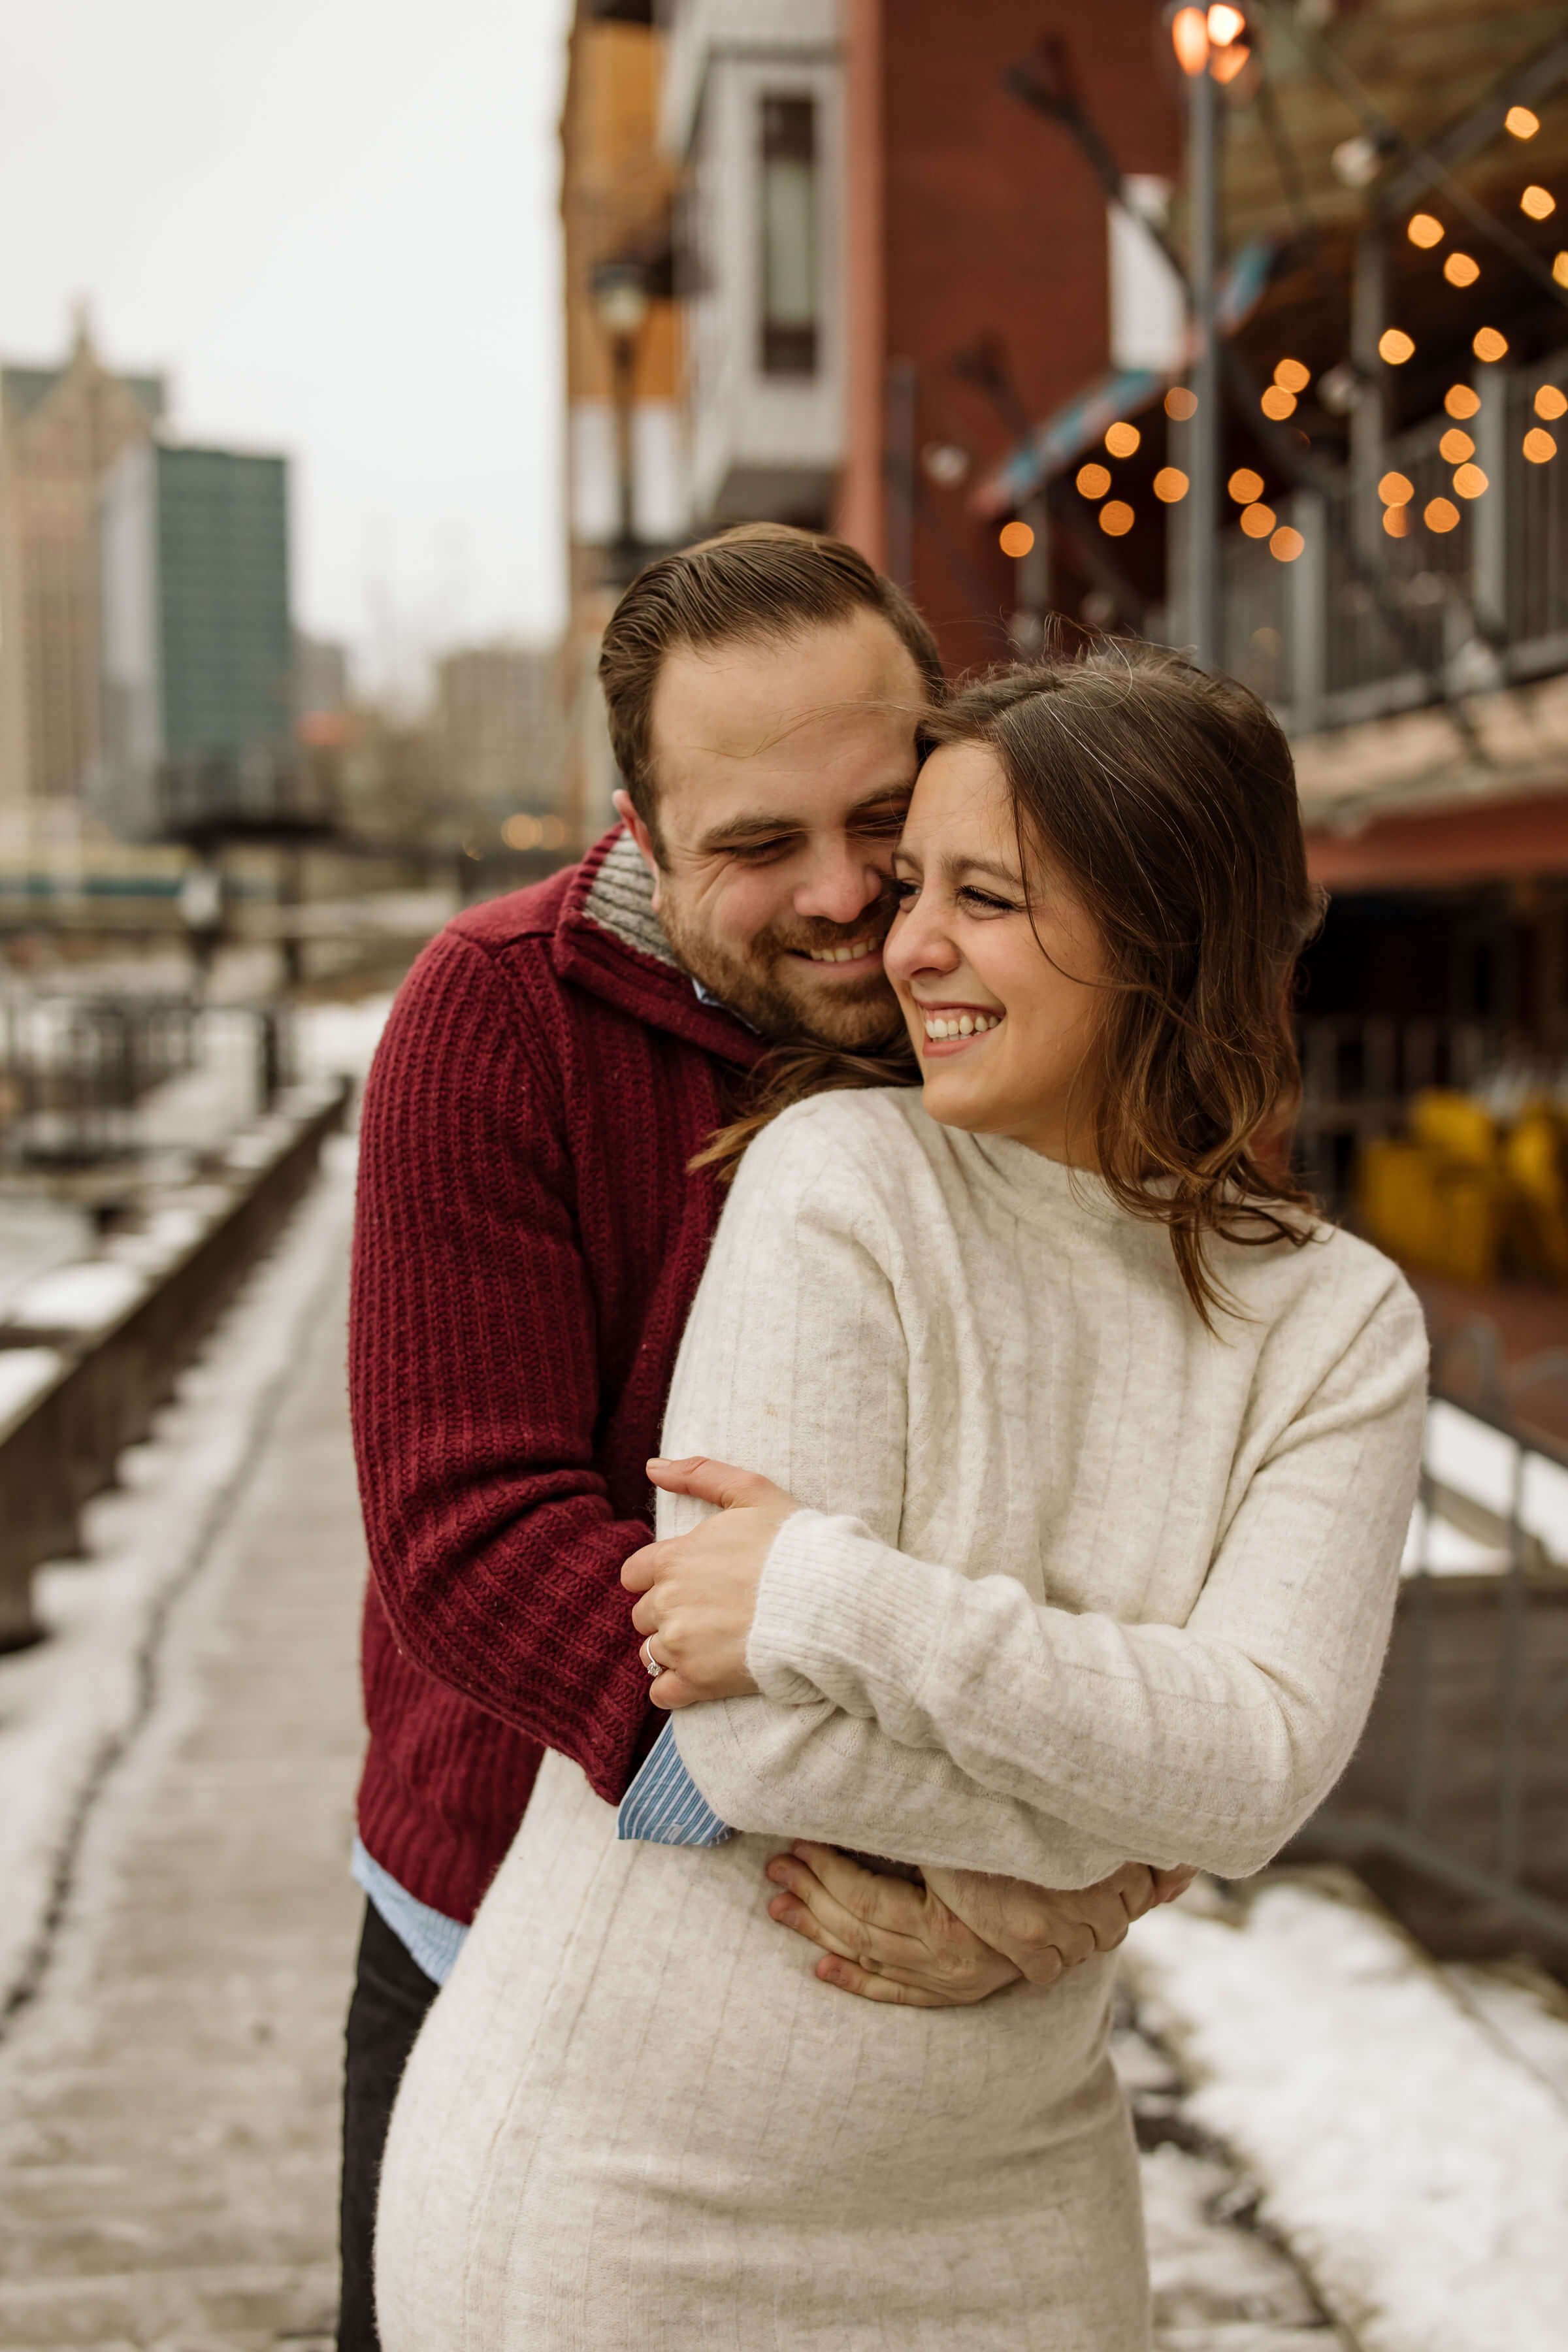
(1212, 45)
(622, 301)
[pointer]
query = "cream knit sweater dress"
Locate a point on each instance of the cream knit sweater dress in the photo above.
(1077, 1581)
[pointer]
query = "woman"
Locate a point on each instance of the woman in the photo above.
(1131, 1443)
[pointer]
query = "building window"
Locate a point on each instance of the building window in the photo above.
(791, 299)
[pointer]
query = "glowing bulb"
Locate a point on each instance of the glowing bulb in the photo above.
(1488, 345)
(1277, 404)
(1538, 447)
(1441, 514)
(1122, 440)
(1455, 446)
(1396, 521)
(1395, 346)
(1016, 538)
(1170, 485)
(1461, 400)
(1286, 545)
(1116, 518)
(1227, 63)
(1550, 402)
(1560, 269)
(1291, 376)
(1190, 40)
(1470, 482)
(1225, 22)
(1423, 229)
(1093, 481)
(1521, 122)
(1538, 203)
(1245, 486)
(1461, 269)
(1396, 489)
(1258, 521)
(1181, 404)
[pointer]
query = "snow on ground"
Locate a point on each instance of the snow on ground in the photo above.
(338, 1039)
(1414, 2166)
(67, 1704)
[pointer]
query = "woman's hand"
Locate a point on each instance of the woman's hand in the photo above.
(700, 1591)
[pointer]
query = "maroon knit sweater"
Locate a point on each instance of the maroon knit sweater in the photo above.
(528, 1244)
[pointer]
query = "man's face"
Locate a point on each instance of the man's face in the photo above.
(783, 772)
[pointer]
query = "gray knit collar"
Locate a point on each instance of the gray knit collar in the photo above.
(620, 901)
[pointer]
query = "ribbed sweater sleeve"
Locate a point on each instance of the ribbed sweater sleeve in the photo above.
(474, 1375)
(1208, 1742)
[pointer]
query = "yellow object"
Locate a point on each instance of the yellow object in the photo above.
(1430, 1211)
(1455, 1126)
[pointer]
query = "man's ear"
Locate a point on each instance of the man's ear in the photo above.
(622, 802)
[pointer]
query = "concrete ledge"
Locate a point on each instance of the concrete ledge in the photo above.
(72, 1398)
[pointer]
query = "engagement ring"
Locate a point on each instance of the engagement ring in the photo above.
(650, 1662)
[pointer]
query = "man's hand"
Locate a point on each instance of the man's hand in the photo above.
(700, 1591)
(961, 1935)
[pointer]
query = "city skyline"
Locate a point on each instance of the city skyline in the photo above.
(330, 240)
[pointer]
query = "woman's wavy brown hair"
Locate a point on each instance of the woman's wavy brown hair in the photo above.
(1165, 798)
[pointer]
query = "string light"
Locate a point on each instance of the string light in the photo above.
(1277, 404)
(1093, 481)
(1258, 521)
(1170, 485)
(1424, 229)
(1286, 545)
(1441, 514)
(1560, 269)
(1291, 376)
(1016, 538)
(1181, 404)
(1395, 346)
(1227, 63)
(1470, 482)
(1396, 521)
(1116, 518)
(1396, 489)
(1538, 447)
(1245, 486)
(1461, 269)
(1521, 122)
(1225, 24)
(1488, 345)
(1190, 39)
(1455, 446)
(1122, 440)
(1550, 402)
(1538, 203)
(1461, 400)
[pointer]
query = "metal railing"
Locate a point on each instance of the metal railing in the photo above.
(1462, 1776)
(74, 1068)
(1363, 623)
(1358, 1076)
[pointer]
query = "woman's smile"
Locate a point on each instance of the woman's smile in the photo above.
(955, 1028)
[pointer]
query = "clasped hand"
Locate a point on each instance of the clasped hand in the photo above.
(699, 1591)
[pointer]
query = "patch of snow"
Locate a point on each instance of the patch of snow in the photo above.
(25, 1374)
(1417, 2171)
(66, 1703)
(1443, 1549)
(37, 1233)
(78, 1297)
(1526, 2009)
(333, 1040)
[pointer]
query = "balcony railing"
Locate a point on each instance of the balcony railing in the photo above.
(1364, 624)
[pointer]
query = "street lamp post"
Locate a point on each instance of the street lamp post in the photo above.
(621, 299)
(1212, 46)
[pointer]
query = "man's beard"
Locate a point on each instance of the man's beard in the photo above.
(757, 984)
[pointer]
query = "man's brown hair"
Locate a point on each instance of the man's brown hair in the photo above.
(762, 580)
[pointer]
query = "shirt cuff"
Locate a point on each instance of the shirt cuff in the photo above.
(844, 1617)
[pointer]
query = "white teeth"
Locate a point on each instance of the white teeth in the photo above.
(856, 949)
(939, 1025)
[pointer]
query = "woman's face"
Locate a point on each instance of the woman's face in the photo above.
(997, 971)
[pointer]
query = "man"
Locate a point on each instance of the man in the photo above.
(530, 1239)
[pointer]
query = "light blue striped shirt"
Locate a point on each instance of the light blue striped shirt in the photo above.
(431, 1941)
(664, 1805)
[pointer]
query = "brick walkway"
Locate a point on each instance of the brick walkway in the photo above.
(168, 2105)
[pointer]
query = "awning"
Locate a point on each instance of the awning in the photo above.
(1125, 393)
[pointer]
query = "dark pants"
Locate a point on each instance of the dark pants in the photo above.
(391, 1994)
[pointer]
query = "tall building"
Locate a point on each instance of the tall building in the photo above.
(498, 724)
(197, 651)
(61, 431)
(625, 451)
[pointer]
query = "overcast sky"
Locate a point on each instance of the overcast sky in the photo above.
(334, 223)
